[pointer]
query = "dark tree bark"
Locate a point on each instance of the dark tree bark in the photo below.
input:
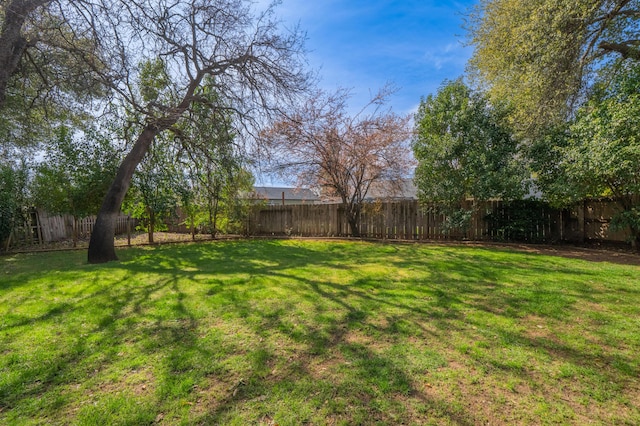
(255, 70)
(152, 225)
(353, 225)
(12, 41)
(101, 244)
(101, 247)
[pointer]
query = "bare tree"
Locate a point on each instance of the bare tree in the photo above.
(323, 146)
(254, 68)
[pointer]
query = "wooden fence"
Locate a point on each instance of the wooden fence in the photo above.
(42, 227)
(408, 220)
(402, 220)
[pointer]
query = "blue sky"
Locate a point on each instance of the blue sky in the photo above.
(361, 45)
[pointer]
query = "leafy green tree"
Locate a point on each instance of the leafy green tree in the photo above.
(13, 41)
(236, 207)
(189, 202)
(258, 71)
(542, 54)
(155, 188)
(215, 162)
(75, 174)
(49, 63)
(465, 150)
(598, 152)
(192, 164)
(215, 199)
(13, 198)
(158, 183)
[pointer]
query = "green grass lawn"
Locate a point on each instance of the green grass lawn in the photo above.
(311, 332)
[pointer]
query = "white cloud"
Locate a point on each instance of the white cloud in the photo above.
(451, 54)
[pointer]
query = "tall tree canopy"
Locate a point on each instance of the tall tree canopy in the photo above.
(75, 173)
(13, 198)
(13, 39)
(255, 69)
(48, 57)
(464, 149)
(598, 152)
(542, 53)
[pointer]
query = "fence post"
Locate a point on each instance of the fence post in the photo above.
(39, 228)
(582, 219)
(8, 244)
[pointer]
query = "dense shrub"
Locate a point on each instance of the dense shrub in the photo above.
(521, 220)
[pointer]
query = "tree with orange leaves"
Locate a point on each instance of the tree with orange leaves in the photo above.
(321, 145)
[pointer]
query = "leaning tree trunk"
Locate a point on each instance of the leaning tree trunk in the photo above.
(101, 246)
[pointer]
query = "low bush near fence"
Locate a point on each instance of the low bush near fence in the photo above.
(525, 221)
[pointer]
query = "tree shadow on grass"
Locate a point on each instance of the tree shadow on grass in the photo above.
(81, 340)
(336, 372)
(329, 350)
(369, 384)
(455, 286)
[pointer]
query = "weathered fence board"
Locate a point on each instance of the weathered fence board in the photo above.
(409, 220)
(405, 220)
(597, 217)
(42, 227)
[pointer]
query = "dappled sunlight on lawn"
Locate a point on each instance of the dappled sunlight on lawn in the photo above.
(320, 332)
